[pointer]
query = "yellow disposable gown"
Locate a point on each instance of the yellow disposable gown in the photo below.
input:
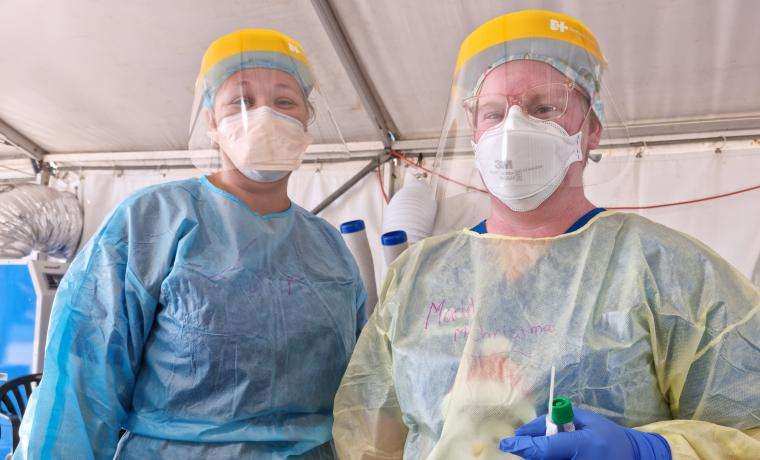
(645, 325)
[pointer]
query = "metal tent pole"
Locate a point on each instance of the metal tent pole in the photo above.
(374, 163)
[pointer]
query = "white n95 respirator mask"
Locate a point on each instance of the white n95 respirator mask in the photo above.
(524, 159)
(263, 144)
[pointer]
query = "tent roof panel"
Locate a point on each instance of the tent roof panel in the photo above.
(667, 60)
(119, 76)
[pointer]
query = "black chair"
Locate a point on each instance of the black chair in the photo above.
(13, 400)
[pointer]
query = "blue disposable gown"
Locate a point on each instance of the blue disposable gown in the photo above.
(202, 328)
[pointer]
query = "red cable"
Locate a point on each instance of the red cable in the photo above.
(403, 158)
(617, 208)
(678, 203)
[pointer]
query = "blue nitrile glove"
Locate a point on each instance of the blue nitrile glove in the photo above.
(594, 437)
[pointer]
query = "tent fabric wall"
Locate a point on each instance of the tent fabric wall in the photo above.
(729, 225)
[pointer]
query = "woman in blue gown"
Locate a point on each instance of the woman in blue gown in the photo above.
(208, 317)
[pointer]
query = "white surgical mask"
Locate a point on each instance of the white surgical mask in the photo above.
(524, 159)
(262, 143)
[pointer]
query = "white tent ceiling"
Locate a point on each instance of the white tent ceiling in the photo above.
(113, 76)
(669, 61)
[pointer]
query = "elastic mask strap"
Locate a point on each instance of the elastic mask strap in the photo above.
(579, 133)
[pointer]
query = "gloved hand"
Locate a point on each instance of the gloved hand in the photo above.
(594, 437)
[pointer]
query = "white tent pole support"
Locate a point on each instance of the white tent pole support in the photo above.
(697, 122)
(31, 149)
(376, 162)
(738, 136)
(347, 151)
(370, 146)
(129, 156)
(163, 166)
(154, 167)
(683, 138)
(370, 99)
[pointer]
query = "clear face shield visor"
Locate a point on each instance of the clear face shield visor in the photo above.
(523, 118)
(255, 107)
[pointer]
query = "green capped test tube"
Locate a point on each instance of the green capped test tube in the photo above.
(562, 414)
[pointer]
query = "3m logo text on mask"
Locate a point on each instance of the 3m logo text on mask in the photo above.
(508, 173)
(502, 164)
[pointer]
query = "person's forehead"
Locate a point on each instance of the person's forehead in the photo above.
(260, 78)
(518, 75)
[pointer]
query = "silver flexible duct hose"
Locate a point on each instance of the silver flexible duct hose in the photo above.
(39, 218)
